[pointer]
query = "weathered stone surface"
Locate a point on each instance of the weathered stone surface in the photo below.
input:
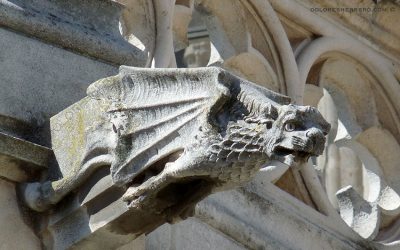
(21, 160)
(190, 234)
(137, 244)
(38, 80)
(197, 53)
(261, 216)
(97, 217)
(88, 27)
(14, 233)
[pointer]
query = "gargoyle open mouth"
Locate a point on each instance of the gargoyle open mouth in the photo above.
(291, 156)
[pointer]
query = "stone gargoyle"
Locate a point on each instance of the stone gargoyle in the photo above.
(176, 136)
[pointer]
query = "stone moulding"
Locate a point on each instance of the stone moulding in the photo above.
(164, 139)
(21, 160)
(94, 33)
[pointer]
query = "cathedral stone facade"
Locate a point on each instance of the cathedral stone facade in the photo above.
(99, 98)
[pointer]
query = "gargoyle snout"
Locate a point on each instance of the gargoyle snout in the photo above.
(317, 136)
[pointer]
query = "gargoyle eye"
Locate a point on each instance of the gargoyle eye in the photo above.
(290, 127)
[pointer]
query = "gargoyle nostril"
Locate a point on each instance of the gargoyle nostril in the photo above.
(315, 133)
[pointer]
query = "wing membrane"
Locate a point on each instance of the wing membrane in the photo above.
(156, 112)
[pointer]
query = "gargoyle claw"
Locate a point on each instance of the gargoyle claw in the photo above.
(137, 202)
(132, 193)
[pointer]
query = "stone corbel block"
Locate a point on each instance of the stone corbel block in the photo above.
(97, 217)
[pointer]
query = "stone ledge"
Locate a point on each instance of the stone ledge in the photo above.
(97, 216)
(89, 27)
(15, 127)
(263, 221)
(21, 160)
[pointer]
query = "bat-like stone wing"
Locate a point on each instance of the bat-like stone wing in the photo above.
(155, 112)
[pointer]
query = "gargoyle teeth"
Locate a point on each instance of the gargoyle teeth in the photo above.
(283, 151)
(302, 154)
(298, 154)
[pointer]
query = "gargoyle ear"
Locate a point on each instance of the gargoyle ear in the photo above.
(271, 114)
(266, 114)
(271, 111)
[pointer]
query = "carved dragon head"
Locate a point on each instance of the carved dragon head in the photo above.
(292, 133)
(296, 133)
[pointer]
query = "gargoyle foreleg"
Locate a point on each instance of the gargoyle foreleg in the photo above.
(153, 184)
(41, 196)
(175, 172)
